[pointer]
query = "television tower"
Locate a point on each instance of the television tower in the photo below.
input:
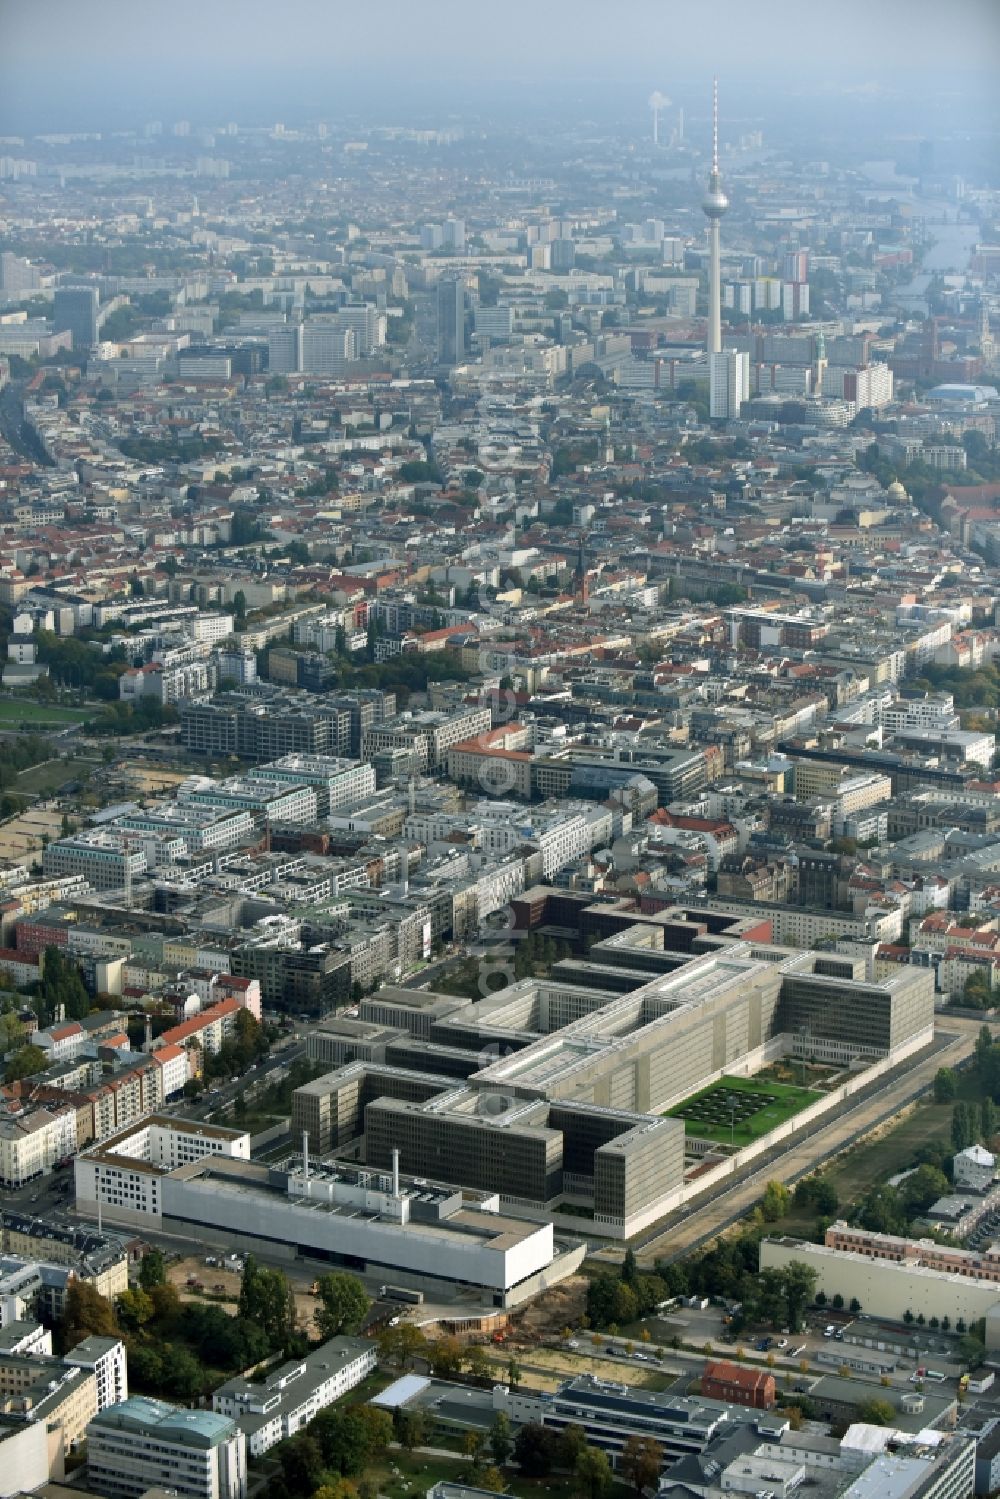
(657, 101)
(714, 205)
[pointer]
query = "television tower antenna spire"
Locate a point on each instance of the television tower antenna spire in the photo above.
(715, 127)
(714, 205)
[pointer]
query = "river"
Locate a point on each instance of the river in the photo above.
(951, 245)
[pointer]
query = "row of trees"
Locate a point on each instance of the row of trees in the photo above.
(141, 717)
(972, 1122)
(986, 1065)
(614, 1301)
(61, 988)
(74, 662)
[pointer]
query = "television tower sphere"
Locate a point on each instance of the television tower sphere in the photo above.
(715, 202)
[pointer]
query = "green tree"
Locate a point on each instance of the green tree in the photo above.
(240, 606)
(376, 1425)
(987, 1120)
(145, 1367)
(881, 1211)
(971, 1350)
(152, 1269)
(409, 1427)
(266, 1299)
(25, 1062)
(477, 1364)
(86, 1313)
(768, 1292)
(921, 1188)
(183, 1374)
(536, 1449)
(345, 1439)
(630, 1268)
(491, 1479)
(134, 1308)
(11, 1028)
(594, 1472)
(166, 1304)
(641, 1461)
(342, 1306)
(336, 1488)
(610, 1300)
(572, 1441)
(62, 986)
(945, 1085)
(473, 1445)
(301, 1463)
(876, 1412)
(501, 1439)
(446, 1356)
(776, 1201)
(400, 1345)
(799, 1285)
(962, 1131)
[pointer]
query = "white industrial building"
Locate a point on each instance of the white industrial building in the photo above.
(170, 1176)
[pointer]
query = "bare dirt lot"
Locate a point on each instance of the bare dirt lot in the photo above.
(561, 1306)
(22, 836)
(149, 779)
(223, 1287)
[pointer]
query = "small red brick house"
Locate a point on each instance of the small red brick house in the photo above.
(722, 1380)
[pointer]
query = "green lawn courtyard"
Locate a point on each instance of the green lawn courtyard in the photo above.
(18, 712)
(741, 1109)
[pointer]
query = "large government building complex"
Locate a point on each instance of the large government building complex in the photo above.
(554, 1091)
(473, 1124)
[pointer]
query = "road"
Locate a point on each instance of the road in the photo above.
(271, 1070)
(696, 1225)
(20, 434)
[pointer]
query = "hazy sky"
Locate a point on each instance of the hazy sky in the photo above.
(202, 58)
